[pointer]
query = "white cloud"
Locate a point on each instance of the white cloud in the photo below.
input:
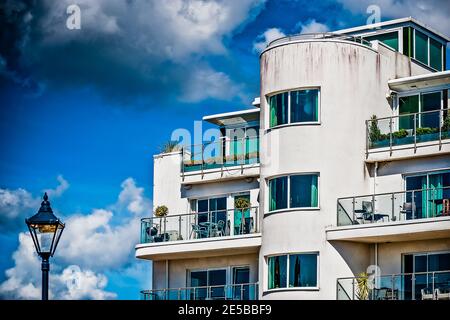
(432, 12)
(207, 83)
(312, 26)
(16, 205)
(266, 37)
(90, 245)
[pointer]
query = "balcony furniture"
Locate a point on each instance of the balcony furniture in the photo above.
(442, 294)
(409, 210)
(367, 213)
(445, 207)
(199, 231)
(209, 227)
(427, 294)
(163, 237)
(151, 231)
(220, 228)
(173, 235)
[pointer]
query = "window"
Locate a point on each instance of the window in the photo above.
(426, 49)
(408, 41)
(293, 271)
(294, 107)
(390, 39)
(435, 54)
(422, 102)
(421, 52)
(217, 278)
(302, 190)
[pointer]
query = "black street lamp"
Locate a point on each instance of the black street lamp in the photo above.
(45, 229)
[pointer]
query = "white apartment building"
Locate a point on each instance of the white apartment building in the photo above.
(334, 185)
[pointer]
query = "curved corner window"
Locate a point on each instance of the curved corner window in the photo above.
(294, 191)
(293, 271)
(294, 107)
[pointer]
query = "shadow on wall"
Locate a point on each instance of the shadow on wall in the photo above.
(355, 255)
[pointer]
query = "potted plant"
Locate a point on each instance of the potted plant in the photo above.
(161, 211)
(446, 127)
(242, 211)
(170, 146)
(426, 134)
(362, 286)
(376, 138)
(242, 203)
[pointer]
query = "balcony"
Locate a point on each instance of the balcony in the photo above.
(247, 291)
(404, 286)
(408, 135)
(234, 231)
(228, 158)
(397, 216)
(318, 37)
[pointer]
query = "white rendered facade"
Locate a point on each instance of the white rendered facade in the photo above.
(333, 146)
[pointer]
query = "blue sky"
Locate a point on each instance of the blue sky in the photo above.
(83, 111)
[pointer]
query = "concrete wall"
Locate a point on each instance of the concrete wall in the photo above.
(353, 86)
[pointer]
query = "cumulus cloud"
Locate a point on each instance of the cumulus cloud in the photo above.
(432, 12)
(266, 37)
(17, 204)
(127, 50)
(91, 245)
(312, 26)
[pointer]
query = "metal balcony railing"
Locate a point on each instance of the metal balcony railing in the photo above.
(201, 225)
(221, 154)
(408, 131)
(318, 36)
(246, 291)
(404, 286)
(394, 206)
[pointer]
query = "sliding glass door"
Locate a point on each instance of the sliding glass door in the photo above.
(212, 211)
(208, 284)
(429, 202)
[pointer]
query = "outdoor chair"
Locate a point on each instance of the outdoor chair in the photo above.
(408, 210)
(220, 228)
(367, 213)
(427, 294)
(442, 294)
(198, 231)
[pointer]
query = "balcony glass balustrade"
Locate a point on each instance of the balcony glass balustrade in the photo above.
(408, 131)
(202, 225)
(221, 154)
(394, 206)
(247, 291)
(405, 286)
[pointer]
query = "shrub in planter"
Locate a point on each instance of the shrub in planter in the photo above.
(252, 155)
(446, 124)
(402, 133)
(242, 203)
(426, 130)
(374, 131)
(161, 211)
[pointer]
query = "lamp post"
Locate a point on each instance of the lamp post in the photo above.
(45, 229)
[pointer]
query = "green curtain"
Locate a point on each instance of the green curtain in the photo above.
(436, 192)
(271, 283)
(314, 191)
(272, 195)
(273, 111)
(424, 198)
(421, 41)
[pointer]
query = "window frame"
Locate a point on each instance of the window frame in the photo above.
(289, 208)
(429, 36)
(289, 123)
(387, 31)
(287, 288)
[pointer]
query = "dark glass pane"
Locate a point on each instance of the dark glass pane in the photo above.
(408, 105)
(408, 41)
(303, 270)
(278, 193)
(421, 41)
(199, 278)
(277, 272)
(429, 102)
(439, 262)
(305, 106)
(390, 39)
(278, 109)
(304, 191)
(202, 206)
(435, 54)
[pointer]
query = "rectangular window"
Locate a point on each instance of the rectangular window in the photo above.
(305, 106)
(430, 102)
(293, 271)
(408, 105)
(278, 193)
(277, 272)
(294, 107)
(279, 109)
(390, 39)
(303, 191)
(421, 52)
(435, 54)
(302, 270)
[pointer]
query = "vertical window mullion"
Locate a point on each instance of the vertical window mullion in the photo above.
(287, 270)
(414, 46)
(288, 196)
(429, 58)
(289, 107)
